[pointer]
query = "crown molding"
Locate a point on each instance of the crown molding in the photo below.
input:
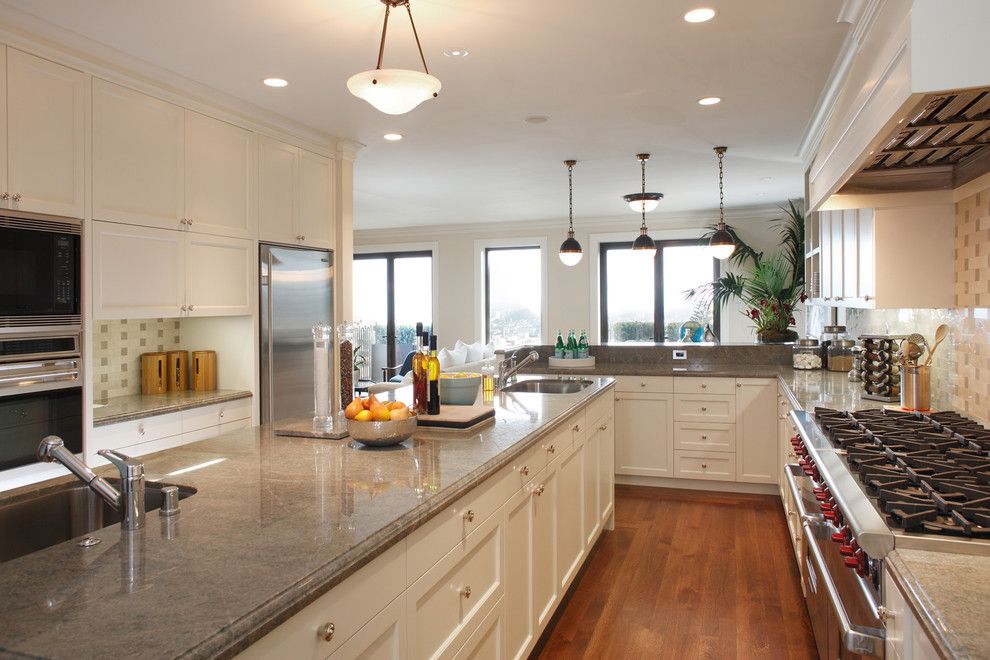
(23, 31)
(860, 15)
(348, 149)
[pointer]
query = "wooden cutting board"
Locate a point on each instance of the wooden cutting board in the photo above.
(456, 417)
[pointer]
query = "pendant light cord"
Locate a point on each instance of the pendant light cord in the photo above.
(721, 192)
(381, 47)
(570, 198)
(642, 202)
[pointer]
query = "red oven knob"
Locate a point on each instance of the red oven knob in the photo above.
(831, 515)
(826, 506)
(822, 494)
(842, 535)
(849, 549)
(856, 562)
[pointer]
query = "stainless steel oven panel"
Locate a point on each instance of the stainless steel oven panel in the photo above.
(32, 346)
(42, 376)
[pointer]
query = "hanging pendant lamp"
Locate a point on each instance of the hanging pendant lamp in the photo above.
(570, 249)
(643, 202)
(721, 245)
(394, 91)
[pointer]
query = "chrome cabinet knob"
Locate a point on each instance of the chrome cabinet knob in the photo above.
(885, 614)
(466, 592)
(184, 308)
(576, 428)
(16, 197)
(603, 427)
(303, 237)
(469, 516)
(550, 449)
(538, 490)
(326, 631)
(704, 466)
(642, 384)
(221, 414)
(141, 428)
(5, 196)
(704, 437)
(190, 308)
(183, 221)
(704, 409)
(704, 386)
(524, 471)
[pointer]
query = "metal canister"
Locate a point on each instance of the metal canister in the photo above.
(916, 391)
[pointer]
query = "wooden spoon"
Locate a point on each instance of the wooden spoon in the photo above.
(941, 332)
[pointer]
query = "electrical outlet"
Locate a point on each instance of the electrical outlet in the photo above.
(680, 354)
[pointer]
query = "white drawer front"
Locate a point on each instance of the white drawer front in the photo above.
(203, 417)
(704, 465)
(134, 432)
(524, 468)
(447, 604)
(705, 436)
(704, 408)
(600, 409)
(231, 411)
(696, 385)
(660, 384)
(487, 641)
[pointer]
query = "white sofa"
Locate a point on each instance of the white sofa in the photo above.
(462, 357)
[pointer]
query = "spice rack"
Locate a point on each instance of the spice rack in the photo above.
(879, 368)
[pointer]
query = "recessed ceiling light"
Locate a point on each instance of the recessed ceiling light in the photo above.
(766, 178)
(275, 82)
(761, 194)
(699, 15)
(393, 137)
(456, 52)
(709, 100)
(537, 119)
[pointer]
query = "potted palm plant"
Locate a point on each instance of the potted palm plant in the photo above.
(769, 287)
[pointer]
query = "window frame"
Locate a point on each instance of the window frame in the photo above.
(659, 322)
(486, 285)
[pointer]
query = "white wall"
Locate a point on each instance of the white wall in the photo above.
(572, 300)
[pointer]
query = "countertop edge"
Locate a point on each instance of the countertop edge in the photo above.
(165, 409)
(241, 633)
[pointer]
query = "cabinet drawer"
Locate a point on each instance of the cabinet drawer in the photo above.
(134, 432)
(451, 527)
(659, 384)
(214, 414)
(704, 465)
(704, 408)
(524, 468)
(705, 436)
(447, 604)
(348, 606)
(693, 385)
(575, 425)
(599, 409)
(486, 643)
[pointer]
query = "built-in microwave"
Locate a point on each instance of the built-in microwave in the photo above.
(39, 272)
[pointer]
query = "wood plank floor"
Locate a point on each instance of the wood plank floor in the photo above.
(687, 574)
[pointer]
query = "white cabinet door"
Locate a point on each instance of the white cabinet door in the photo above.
(220, 177)
(850, 254)
(644, 435)
(138, 272)
(606, 470)
(45, 136)
(518, 568)
(382, 638)
(545, 590)
(219, 275)
(570, 503)
(838, 256)
(278, 167)
(137, 157)
(825, 236)
(313, 222)
(590, 506)
(756, 430)
(486, 642)
(867, 255)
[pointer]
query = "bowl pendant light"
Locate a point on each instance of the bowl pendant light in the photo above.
(570, 249)
(642, 202)
(394, 91)
(721, 245)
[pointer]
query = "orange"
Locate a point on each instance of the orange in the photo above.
(363, 416)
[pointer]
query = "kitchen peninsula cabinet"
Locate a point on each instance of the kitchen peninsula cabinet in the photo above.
(644, 426)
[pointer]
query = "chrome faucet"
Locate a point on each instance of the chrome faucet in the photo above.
(129, 501)
(507, 372)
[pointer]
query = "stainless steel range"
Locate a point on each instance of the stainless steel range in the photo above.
(867, 482)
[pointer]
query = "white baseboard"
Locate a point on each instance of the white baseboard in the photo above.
(698, 484)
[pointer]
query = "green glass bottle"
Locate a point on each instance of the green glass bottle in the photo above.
(572, 347)
(583, 351)
(559, 350)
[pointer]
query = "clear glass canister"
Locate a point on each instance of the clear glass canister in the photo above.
(840, 355)
(807, 354)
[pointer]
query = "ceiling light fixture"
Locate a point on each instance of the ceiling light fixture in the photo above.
(721, 245)
(536, 119)
(643, 202)
(275, 82)
(699, 15)
(394, 91)
(570, 249)
(709, 100)
(393, 137)
(456, 52)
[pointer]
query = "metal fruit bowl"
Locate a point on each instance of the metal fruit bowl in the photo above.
(382, 434)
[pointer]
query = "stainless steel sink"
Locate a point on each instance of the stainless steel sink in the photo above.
(548, 386)
(65, 512)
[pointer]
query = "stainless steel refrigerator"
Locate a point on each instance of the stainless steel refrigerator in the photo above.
(296, 293)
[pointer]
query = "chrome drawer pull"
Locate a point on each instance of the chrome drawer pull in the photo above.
(466, 592)
(538, 490)
(703, 409)
(469, 516)
(550, 449)
(576, 428)
(704, 466)
(524, 471)
(326, 632)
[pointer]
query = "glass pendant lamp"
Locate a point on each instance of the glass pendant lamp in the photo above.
(721, 245)
(570, 249)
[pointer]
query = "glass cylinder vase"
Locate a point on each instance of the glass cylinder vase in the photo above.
(323, 345)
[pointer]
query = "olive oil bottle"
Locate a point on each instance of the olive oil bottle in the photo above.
(419, 369)
(433, 369)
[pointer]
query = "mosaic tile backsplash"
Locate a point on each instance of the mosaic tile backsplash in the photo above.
(117, 349)
(961, 365)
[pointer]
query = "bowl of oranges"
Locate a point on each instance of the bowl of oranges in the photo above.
(379, 424)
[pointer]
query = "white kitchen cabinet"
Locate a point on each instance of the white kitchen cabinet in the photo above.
(546, 593)
(757, 454)
(45, 136)
(570, 500)
(382, 638)
(591, 469)
(138, 159)
(487, 641)
(905, 637)
(606, 471)
(709, 465)
(644, 434)
(838, 254)
(866, 253)
(219, 275)
(294, 195)
(138, 272)
(825, 238)
(850, 254)
(518, 566)
(220, 177)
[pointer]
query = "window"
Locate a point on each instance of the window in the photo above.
(513, 295)
(392, 292)
(644, 299)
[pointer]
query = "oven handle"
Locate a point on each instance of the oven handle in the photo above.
(791, 471)
(48, 380)
(857, 639)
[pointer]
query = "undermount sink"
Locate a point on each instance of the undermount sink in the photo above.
(35, 523)
(548, 386)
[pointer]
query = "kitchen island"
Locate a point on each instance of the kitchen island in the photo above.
(277, 523)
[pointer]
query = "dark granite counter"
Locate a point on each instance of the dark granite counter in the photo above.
(277, 522)
(135, 406)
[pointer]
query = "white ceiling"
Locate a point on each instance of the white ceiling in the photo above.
(615, 78)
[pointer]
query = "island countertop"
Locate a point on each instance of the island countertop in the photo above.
(276, 522)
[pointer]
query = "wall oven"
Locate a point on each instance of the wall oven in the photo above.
(39, 272)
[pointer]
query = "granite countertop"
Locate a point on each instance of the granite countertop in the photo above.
(135, 406)
(948, 593)
(276, 522)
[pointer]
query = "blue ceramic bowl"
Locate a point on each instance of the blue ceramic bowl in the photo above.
(459, 389)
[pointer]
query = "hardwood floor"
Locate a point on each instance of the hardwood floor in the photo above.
(687, 574)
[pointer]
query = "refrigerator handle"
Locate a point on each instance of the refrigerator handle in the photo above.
(271, 318)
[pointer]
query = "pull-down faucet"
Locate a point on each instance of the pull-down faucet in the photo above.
(129, 501)
(507, 372)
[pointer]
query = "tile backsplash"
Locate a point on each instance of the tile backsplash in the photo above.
(117, 349)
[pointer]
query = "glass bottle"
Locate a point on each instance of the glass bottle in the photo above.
(420, 375)
(433, 368)
(559, 350)
(572, 347)
(583, 345)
